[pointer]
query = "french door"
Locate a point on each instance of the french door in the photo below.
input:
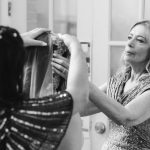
(112, 20)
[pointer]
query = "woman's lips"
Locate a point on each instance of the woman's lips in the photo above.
(129, 52)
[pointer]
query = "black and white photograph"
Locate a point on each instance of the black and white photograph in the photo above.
(74, 74)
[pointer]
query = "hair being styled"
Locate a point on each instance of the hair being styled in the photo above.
(12, 56)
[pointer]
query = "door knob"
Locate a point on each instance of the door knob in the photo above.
(100, 127)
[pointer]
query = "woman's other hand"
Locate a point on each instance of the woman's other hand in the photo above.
(71, 42)
(29, 37)
(77, 81)
(60, 65)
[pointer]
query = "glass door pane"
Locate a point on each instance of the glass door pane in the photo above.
(115, 58)
(65, 16)
(124, 13)
(37, 14)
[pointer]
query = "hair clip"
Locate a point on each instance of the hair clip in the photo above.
(1, 31)
(1, 37)
(14, 34)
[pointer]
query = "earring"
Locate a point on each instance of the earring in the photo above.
(148, 66)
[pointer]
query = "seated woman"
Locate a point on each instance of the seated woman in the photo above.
(36, 123)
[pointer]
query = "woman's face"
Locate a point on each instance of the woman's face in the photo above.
(137, 48)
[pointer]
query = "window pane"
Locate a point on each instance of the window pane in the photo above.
(147, 9)
(115, 58)
(37, 14)
(65, 16)
(124, 14)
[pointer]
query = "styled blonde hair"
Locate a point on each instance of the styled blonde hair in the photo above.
(125, 66)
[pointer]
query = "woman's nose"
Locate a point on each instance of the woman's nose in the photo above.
(131, 42)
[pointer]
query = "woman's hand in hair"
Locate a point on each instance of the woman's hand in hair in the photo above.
(60, 65)
(29, 38)
(71, 42)
(77, 81)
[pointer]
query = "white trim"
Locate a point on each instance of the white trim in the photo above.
(100, 41)
(109, 35)
(0, 12)
(85, 26)
(141, 9)
(117, 43)
(51, 14)
(109, 19)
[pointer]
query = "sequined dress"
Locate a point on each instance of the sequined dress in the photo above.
(35, 124)
(122, 137)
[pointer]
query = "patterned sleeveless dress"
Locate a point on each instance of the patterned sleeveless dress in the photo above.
(122, 137)
(35, 124)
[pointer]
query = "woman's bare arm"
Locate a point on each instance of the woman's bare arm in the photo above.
(90, 108)
(135, 112)
(77, 81)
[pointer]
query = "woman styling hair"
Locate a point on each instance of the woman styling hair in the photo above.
(125, 99)
(37, 123)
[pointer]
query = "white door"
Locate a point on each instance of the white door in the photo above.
(112, 20)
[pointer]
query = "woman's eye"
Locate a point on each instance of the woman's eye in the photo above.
(129, 37)
(141, 41)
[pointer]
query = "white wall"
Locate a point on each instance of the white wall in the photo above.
(0, 11)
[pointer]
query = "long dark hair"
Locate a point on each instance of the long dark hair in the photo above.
(12, 56)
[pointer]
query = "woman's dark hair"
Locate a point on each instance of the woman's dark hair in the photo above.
(12, 56)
